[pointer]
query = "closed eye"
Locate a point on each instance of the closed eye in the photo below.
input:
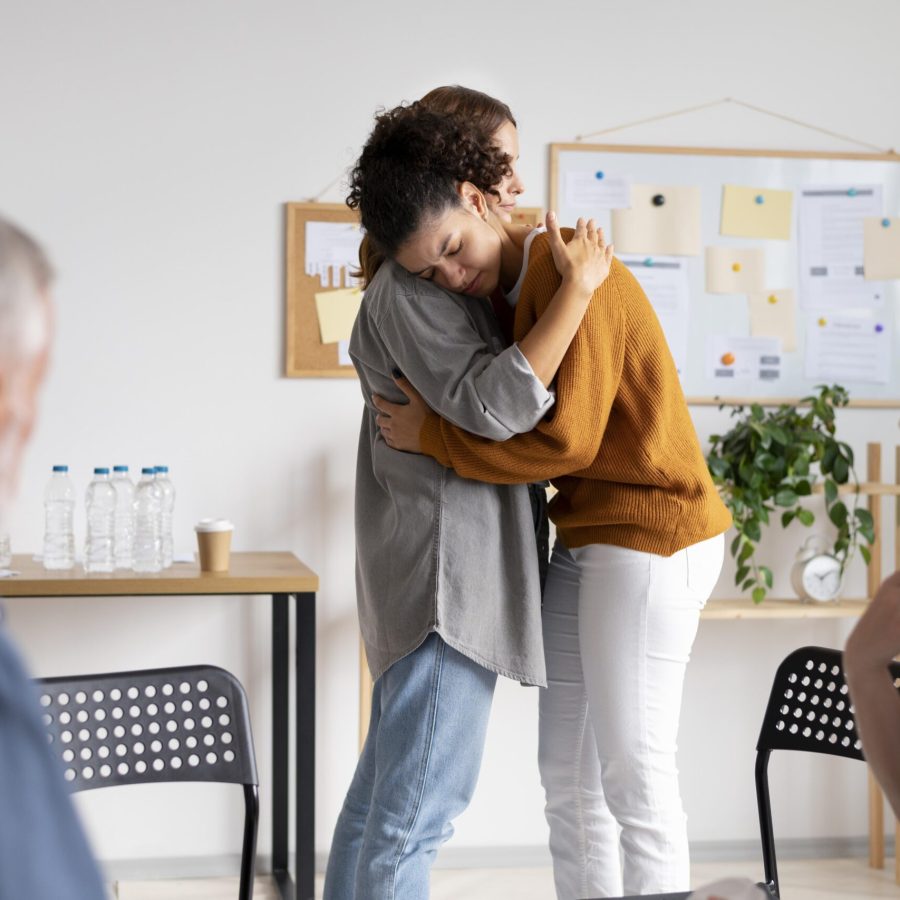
(454, 252)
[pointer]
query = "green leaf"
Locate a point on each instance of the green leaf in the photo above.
(748, 583)
(841, 470)
(779, 435)
(803, 488)
(831, 491)
(746, 552)
(788, 517)
(828, 458)
(736, 543)
(864, 517)
(741, 574)
(866, 553)
(786, 497)
(759, 594)
(752, 530)
(806, 516)
(767, 575)
(838, 514)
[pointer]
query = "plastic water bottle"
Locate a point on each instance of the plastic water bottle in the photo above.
(146, 553)
(100, 503)
(166, 508)
(124, 531)
(59, 520)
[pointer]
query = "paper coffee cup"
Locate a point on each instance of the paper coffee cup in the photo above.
(214, 544)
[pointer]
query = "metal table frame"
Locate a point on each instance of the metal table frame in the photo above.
(281, 576)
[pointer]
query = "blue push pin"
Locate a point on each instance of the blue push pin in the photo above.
(648, 261)
(851, 192)
(599, 176)
(879, 328)
(885, 223)
(760, 199)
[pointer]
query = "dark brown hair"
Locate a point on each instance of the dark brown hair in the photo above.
(477, 116)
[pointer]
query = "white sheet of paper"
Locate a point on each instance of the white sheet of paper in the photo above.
(9, 573)
(586, 191)
(744, 359)
(832, 247)
(735, 270)
(665, 282)
(849, 347)
(332, 250)
(774, 314)
(344, 353)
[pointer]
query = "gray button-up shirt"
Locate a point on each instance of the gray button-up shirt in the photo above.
(436, 552)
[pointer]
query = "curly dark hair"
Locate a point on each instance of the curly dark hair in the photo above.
(410, 167)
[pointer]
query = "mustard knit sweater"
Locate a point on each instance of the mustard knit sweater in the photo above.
(620, 447)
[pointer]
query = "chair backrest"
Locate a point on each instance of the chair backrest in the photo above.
(809, 706)
(186, 723)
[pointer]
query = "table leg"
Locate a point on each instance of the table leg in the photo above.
(305, 712)
(280, 744)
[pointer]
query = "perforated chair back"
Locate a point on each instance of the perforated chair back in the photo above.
(809, 709)
(188, 723)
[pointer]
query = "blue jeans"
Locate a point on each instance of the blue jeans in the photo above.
(43, 851)
(417, 772)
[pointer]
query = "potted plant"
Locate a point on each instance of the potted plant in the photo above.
(769, 461)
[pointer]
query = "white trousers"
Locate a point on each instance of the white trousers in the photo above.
(618, 629)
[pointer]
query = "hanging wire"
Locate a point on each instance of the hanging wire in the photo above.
(759, 109)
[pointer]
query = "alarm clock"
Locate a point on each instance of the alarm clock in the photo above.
(816, 574)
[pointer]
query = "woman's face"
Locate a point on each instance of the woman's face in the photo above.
(457, 249)
(506, 137)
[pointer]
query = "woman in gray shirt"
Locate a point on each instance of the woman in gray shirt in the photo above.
(447, 578)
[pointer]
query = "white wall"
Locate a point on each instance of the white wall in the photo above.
(151, 146)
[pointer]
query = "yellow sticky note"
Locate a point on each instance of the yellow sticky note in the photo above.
(756, 212)
(664, 220)
(881, 259)
(337, 312)
(735, 270)
(774, 314)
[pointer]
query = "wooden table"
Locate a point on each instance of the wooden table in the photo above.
(281, 576)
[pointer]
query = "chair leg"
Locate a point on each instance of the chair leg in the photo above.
(766, 832)
(248, 853)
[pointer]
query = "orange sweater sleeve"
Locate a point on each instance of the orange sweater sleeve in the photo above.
(586, 387)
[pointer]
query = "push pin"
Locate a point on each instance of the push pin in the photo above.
(648, 261)
(885, 223)
(772, 298)
(599, 176)
(658, 200)
(851, 192)
(879, 328)
(823, 322)
(760, 199)
(727, 359)
(735, 267)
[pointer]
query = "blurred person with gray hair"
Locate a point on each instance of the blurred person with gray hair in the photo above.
(44, 854)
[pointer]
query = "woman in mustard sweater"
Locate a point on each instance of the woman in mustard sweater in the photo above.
(639, 522)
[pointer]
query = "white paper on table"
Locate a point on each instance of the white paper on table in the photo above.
(832, 247)
(344, 353)
(853, 346)
(332, 250)
(586, 190)
(665, 282)
(745, 359)
(9, 573)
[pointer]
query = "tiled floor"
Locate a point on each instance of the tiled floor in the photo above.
(820, 879)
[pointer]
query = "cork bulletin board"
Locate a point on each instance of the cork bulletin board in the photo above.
(321, 249)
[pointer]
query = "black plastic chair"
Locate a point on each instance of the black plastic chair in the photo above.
(809, 709)
(189, 723)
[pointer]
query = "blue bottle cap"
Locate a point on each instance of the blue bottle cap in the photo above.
(60, 468)
(101, 470)
(163, 469)
(148, 470)
(120, 468)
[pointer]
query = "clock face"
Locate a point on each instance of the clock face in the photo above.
(822, 578)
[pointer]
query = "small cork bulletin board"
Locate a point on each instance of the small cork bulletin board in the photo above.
(321, 250)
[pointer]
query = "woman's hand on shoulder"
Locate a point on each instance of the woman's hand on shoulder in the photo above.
(401, 423)
(585, 261)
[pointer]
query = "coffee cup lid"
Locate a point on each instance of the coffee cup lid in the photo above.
(207, 525)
